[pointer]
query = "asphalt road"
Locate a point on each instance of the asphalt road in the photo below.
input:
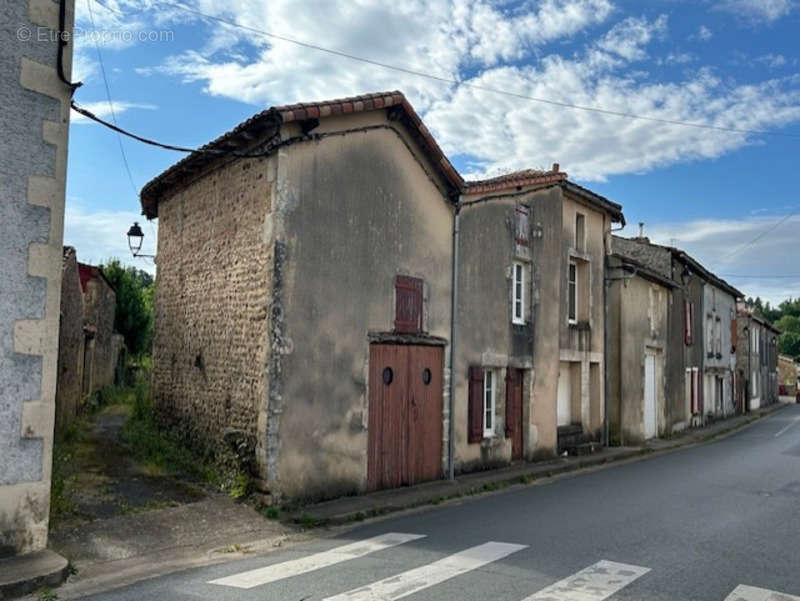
(716, 522)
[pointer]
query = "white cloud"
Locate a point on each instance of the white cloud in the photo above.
(103, 110)
(100, 235)
(704, 33)
(489, 45)
(758, 11)
(773, 61)
(768, 272)
(439, 38)
(628, 38)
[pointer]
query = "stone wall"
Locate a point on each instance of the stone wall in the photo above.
(211, 306)
(33, 143)
(70, 342)
(100, 302)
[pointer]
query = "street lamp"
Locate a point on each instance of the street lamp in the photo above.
(686, 275)
(135, 238)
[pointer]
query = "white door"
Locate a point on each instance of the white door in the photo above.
(650, 425)
(564, 395)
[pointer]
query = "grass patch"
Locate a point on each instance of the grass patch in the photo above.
(272, 513)
(161, 452)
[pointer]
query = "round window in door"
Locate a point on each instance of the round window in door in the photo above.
(388, 375)
(426, 376)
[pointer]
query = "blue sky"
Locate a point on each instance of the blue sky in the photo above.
(183, 79)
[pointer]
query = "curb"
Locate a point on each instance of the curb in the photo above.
(25, 574)
(492, 484)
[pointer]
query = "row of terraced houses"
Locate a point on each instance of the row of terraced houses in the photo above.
(334, 298)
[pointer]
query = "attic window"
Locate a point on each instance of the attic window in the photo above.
(522, 225)
(408, 304)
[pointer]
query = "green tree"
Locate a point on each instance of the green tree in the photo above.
(789, 341)
(134, 315)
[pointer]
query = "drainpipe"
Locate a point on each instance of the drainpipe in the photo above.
(451, 450)
(606, 289)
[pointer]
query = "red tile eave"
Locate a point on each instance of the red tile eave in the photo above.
(510, 182)
(302, 111)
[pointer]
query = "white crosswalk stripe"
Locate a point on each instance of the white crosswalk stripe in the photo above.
(752, 593)
(278, 571)
(595, 583)
(412, 581)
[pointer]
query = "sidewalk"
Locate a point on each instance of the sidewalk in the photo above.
(357, 508)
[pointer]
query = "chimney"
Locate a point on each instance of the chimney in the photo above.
(641, 229)
(556, 167)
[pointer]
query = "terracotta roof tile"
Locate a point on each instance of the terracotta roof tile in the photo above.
(297, 112)
(526, 177)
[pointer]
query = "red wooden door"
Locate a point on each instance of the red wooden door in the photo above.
(405, 415)
(425, 413)
(514, 379)
(388, 424)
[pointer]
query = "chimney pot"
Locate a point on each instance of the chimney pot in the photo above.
(556, 167)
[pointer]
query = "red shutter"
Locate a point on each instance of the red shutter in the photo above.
(475, 405)
(688, 321)
(511, 415)
(408, 304)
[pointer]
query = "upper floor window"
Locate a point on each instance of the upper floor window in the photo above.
(518, 293)
(522, 225)
(572, 293)
(408, 304)
(580, 232)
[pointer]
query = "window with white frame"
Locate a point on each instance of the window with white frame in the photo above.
(488, 403)
(572, 293)
(518, 293)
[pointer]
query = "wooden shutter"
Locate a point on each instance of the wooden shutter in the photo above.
(696, 407)
(475, 405)
(734, 335)
(408, 304)
(510, 413)
(688, 321)
(522, 225)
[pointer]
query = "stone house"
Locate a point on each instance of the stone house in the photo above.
(88, 347)
(787, 376)
(640, 355)
(698, 376)
(33, 143)
(304, 309)
(530, 327)
(757, 360)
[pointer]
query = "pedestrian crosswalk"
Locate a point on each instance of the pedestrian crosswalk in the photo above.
(752, 593)
(597, 582)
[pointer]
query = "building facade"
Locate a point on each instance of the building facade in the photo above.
(757, 360)
(336, 244)
(698, 383)
(787, 376)
(88, 347)
(33, 143)
(640, 356)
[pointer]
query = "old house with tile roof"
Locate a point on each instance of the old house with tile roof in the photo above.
(88, 347)
(304, 309)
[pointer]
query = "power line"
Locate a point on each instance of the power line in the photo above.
(111, 103)
(459, 82)
(759, 236)
(479, 87)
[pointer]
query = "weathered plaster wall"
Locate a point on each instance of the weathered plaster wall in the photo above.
(638, 326)
(787, 375)
(70, 342)
(549, 271)
(210, 347)
(351, 212)
(486, 335)
(719, 307)
(33, 146)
